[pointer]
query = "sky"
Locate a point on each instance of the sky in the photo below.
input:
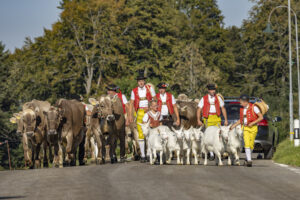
(28, 18)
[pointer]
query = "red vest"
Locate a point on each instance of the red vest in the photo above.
(121, 97)
(168, 102)
(137, 97)
(154, 122)
(251, 115)
(206, 106)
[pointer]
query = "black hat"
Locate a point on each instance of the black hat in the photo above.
(244, 97)
(211, 86)
(112, 87)
(162, 85)
(141, 77)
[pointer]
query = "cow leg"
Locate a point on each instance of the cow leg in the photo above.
(26, 150)
(112, 150)
(122, 145)
(99, 146)
(45, 159)
(87, 145)
(92, 151)
(36, 157)
(69, 138)
(81, 150)
(50, 153)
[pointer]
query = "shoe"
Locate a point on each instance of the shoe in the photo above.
(148, 159)
(136, 157)
(143, 159)
(249, 163)
(122, 160)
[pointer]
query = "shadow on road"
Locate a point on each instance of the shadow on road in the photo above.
(12, 197)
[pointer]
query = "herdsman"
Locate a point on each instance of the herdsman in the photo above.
(139, 100)
(250, 115)
(167, 106)
(210, 106)
(112, 91)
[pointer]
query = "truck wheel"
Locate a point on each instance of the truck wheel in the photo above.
(268, 154)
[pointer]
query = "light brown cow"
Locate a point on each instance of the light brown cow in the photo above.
(188, 113)
(73, 129)
(112, 124)
(35, 129)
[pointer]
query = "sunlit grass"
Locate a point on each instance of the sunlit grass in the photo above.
(286, 153)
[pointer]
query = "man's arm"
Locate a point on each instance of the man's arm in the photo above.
(177, 114)
(224, 112)
(199, 110)
(235, 124)
(260, 117)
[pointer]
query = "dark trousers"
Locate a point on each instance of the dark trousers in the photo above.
(122, 142)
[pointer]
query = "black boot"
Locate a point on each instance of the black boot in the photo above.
(143, 159)
(136, 157)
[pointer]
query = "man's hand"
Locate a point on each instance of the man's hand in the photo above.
(226, 123)
(200, 123)
(127, 122)
(130, 120)
(251, 124)
(177, 122)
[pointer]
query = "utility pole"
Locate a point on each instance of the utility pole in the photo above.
(290, 74)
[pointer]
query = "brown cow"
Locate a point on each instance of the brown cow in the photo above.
(53, 138)
(35, 129)
(132, 136)
(188, 113)
(112, 123)
(72, 131)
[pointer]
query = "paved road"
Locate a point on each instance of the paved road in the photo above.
(134, 180)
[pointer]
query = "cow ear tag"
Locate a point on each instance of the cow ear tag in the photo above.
(93, 101)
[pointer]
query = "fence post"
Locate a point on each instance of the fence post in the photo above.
(8, 154)
(296, 133)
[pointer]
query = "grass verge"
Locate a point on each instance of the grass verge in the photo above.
(286, 153)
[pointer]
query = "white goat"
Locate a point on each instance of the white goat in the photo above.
(234, 145)
(215, 138)
(184, 141)
(155, 141)
(196, 137)
(171, 144)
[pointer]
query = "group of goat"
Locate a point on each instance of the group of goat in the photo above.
(185, 143)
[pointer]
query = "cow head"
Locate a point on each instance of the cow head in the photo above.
(30, 120)
(53, 119)
(105, 108)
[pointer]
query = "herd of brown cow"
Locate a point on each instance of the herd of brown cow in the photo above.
(71, 126)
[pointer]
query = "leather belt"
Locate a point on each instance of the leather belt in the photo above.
(143, 98)
(164, 103)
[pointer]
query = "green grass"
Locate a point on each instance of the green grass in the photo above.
(286, 153)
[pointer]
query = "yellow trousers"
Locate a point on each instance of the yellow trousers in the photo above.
(139, 119)
(249, 136)
(212, 120)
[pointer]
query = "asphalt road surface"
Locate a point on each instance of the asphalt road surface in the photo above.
(133, 180)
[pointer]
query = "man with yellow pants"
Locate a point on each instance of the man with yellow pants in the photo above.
(210, 106)
(139, 100)
(250, 115)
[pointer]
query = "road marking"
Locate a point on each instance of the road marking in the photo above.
(293, 169)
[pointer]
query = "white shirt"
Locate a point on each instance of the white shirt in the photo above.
(142, 93)
(164, 108)
(211, 100)
(256, 110)
(154, 115)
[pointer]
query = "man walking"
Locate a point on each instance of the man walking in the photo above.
(167, 106)
(139, 100)
(250, 115)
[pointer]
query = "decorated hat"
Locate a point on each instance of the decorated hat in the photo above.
(211, 86)
(141, 77)
(162, 85)
(244, 97)
(112, 87)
